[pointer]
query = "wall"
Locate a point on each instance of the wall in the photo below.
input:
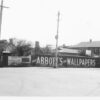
(66, 61)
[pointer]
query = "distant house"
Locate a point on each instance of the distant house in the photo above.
(5, 46)
(94, 46)
(65, 50)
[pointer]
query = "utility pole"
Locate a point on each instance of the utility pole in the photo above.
(1, 12)
(57, 36)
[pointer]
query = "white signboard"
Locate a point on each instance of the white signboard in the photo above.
(88, 52)
(14, 60)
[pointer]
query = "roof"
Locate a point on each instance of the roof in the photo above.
(5, 46)
(87, 44)
(73, 51)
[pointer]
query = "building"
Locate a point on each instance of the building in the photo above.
(93, 46)
(68, 52)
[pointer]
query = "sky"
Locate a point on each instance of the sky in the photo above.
(36, 20)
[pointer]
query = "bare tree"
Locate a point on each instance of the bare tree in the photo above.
(21, 47)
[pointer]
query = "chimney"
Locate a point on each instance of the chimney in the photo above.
(90, 40)
(37, 44)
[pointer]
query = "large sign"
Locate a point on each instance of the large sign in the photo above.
(65, 61)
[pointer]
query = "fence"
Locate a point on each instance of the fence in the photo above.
(50, 60)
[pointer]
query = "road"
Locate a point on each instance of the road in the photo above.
(46, 81)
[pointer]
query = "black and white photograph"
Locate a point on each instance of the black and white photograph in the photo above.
(50, 48)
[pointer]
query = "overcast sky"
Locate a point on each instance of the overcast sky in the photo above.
(36, 20)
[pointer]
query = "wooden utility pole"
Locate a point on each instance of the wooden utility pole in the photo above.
(1, 12)
(57, 36)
